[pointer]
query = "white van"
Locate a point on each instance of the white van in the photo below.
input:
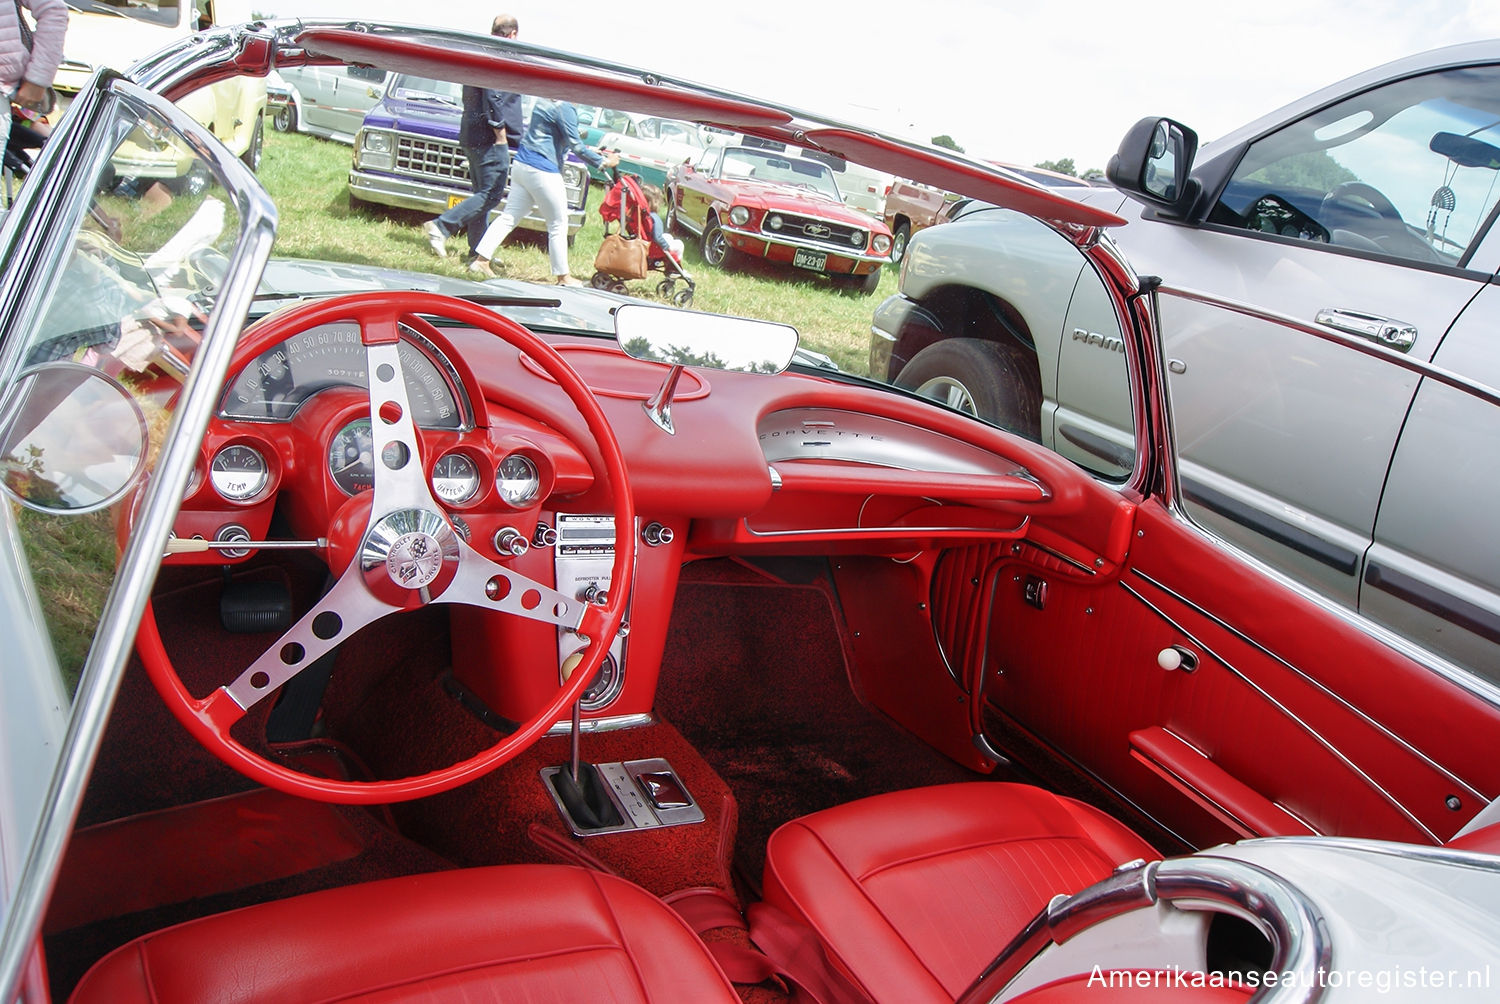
(117, 33)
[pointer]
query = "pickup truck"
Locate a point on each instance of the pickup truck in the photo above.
(1328, 288)
(406, 154)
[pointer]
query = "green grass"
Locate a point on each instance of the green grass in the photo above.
(308, 179)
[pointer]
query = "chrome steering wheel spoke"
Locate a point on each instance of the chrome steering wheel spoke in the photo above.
(489, 585)
(342, 611)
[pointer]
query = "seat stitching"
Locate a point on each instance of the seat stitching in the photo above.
(145, 960)
(873, 906)
(620, 936)
(977, 845)
(452, 970)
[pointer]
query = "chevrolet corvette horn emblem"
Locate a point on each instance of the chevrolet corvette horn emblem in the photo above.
(414, 560)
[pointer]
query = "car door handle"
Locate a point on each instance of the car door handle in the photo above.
(1387, 331)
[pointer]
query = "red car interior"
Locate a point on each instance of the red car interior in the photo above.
(913, 702)
(799, 650)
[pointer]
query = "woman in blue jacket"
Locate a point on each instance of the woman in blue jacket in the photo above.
(536, 182)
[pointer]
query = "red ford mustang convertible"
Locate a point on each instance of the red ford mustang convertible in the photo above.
(486, 641)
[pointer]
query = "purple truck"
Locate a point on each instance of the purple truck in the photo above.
(406, 154)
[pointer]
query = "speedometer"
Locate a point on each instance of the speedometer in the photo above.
(276, 384)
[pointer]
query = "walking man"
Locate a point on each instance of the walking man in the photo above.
(491, 126)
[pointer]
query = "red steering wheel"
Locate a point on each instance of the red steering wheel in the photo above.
(408, 555)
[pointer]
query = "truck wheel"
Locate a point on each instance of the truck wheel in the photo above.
(899, 239)
(285, 119)
(996, 381)
(251, 156)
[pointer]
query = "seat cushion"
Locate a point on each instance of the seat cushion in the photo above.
(913, 893)
(518, 932)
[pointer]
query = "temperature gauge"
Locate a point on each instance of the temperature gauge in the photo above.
(239, 472)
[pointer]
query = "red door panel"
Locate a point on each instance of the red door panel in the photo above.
(1296, 715)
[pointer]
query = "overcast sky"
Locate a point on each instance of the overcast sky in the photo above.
(1021, 82)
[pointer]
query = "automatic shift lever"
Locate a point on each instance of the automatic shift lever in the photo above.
(583, 792)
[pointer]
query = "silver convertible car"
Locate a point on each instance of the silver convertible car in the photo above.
(370, 637)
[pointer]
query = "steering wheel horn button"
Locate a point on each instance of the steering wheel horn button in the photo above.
(409, 550)
(414, 560)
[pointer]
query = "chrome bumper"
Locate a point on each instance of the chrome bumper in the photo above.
(404, 194)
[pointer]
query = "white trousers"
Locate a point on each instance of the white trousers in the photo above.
(532, 189)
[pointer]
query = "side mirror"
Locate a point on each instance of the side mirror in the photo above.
(1154, 164)
(72, 440)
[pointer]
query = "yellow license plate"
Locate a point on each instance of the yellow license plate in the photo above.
(454, 200)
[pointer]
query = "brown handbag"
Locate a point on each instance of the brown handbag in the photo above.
(622, 257)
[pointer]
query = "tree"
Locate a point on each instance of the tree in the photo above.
(946, 142)
(1063, 166)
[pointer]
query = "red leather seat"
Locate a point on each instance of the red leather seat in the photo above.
(913, 893)
(518, 932)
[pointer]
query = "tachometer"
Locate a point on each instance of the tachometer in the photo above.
(351, 457)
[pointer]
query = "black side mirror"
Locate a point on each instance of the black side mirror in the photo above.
(1154, 163)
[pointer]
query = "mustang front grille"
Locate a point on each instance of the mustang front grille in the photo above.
(835, 235)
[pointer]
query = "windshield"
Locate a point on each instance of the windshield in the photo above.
(410, 88)
(779, 169)
(363, 226)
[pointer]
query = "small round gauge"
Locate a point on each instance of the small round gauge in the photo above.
(455, 478)
(195, 481)
(351, 457)
(518, 481)
(239, 472)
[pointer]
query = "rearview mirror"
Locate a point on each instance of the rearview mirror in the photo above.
(688, 338)
(72, 440)
(1154, 163)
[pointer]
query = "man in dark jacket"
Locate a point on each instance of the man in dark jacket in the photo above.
(491, 126)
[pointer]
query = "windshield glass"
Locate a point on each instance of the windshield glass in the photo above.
(828, 267)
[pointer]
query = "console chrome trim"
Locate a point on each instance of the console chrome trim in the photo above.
(609, 723)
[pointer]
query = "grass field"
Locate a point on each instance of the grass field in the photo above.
(308, 179)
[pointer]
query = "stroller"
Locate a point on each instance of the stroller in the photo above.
(625, 204)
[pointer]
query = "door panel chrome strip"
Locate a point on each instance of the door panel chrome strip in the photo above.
(1327, 691)
(1317, 737)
